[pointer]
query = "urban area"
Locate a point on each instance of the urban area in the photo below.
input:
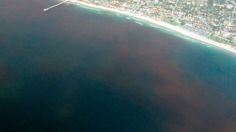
(214, 19)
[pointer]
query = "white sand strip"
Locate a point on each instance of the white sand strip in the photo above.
(161, 24)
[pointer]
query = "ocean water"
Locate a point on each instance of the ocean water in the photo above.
(78, 70)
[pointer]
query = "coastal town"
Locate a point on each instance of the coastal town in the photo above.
(213, 19)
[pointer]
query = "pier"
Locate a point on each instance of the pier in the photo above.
(51, 7)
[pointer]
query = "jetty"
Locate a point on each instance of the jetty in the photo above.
(51, 7)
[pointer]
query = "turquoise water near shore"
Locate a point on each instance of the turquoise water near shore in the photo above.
(73, 69)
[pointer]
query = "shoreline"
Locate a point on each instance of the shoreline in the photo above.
(161, 24)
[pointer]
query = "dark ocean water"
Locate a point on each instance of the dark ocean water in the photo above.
(75, 70)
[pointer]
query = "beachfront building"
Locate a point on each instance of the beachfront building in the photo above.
(211, 18)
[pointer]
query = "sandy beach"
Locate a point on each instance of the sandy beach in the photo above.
(162, 24)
